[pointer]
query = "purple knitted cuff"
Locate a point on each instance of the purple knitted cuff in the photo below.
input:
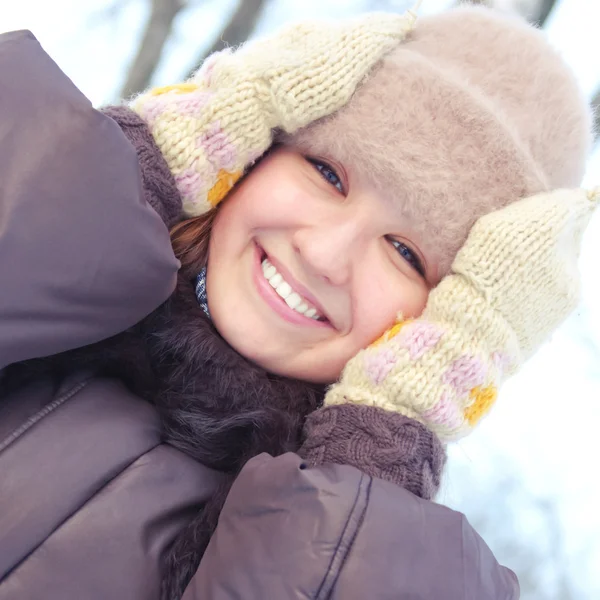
(159, 183)
(380, 443)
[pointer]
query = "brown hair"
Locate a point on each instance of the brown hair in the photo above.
(190, 239)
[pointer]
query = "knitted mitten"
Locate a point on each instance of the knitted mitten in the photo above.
(513, 282)
(213, 126)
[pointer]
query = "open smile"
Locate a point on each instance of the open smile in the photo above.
(284, 294)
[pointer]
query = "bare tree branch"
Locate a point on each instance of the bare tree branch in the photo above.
(596, 109)
(538, 15)
(238, 29)
(158, 29)
(476, 2)
(545, 9)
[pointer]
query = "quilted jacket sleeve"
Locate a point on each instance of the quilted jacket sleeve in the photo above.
(83, 256)
(290, 532)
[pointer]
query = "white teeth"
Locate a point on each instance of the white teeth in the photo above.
(293, 300)
(269, 271)
(301, 308)
(283, 288)
(275, 280)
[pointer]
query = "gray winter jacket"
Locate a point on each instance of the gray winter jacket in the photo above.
(90, 497)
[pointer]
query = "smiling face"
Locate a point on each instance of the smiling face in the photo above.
(308, 264)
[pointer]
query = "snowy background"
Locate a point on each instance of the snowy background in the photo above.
(527, 479)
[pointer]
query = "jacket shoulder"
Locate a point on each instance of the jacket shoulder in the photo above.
(91, 488)
(89, 257)
(333, 532)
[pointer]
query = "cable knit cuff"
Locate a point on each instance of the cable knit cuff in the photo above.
(382, 444)
(159, 183)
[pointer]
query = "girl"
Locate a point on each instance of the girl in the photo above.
(321, 187)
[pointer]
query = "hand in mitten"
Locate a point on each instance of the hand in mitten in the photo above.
(213, 126)
(513, 282)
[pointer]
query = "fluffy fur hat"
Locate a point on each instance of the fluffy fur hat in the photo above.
(473, 111)
(451, 118)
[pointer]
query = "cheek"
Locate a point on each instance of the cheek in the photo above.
(379, 304)
(263, 204)
(414, 299)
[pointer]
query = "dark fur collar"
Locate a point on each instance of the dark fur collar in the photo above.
(217, 406)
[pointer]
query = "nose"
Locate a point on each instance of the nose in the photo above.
(329, 249)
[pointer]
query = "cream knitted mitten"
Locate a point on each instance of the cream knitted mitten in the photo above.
(514, 281)
(213, 126)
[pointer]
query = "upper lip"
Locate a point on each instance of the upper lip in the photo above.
(296, 285)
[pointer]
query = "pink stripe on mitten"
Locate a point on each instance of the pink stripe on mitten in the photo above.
(418, 337)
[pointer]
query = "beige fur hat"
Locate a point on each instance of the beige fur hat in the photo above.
(473, 111)
(453, 117)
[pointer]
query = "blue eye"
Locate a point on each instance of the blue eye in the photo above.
(328, 173)
(408, 255)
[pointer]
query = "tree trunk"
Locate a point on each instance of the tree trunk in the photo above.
(238, 29)
(158, 29)
(545, 9)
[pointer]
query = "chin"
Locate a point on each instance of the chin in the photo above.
(269, 348)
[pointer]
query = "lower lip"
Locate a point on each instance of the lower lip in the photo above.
(275, 301)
